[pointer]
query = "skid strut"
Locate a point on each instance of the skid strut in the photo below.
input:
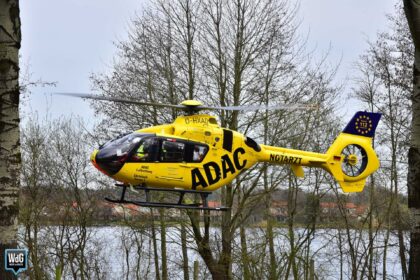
(179, 204)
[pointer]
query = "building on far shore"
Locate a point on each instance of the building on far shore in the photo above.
(330, 211)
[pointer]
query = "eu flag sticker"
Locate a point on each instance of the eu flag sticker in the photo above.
(363, 124)
(16, 260)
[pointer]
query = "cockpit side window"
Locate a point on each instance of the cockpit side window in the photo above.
(172, 151)
(195, 152)
(199, 152)
(147, 151)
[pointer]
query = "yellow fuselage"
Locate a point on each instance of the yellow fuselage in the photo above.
(228, 154)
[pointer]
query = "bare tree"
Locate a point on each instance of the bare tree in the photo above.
(34, 193)
(56, 177)
(412, 11)
(10, 40)
(223, 53)
(385, 86)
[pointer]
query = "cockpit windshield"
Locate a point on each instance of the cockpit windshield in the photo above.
(112, 155)
(141, 147)
(122, 145)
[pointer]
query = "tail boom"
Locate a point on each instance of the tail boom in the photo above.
(350, 159)
(295, 158)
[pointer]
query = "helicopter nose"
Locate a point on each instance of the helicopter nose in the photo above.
(106, 161)
(93, 157)
(93, 160)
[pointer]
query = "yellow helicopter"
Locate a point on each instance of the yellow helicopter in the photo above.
(195, 155)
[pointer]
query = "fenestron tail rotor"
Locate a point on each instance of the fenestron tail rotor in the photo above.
(355, 160)
(194, 106)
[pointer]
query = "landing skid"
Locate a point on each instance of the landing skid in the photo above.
(180, 205)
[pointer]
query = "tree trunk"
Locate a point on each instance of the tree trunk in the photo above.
(155, 251)
(371, 237)
(10, 38)
(412, 11)
(244, 247)
(184, 241)
(163, 244)
(270, 233)
(244, 254)
(225, 260)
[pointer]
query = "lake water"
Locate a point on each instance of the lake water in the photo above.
(125, 253)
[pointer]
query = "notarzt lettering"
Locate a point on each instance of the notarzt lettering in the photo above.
(213, 172)
(285, 159)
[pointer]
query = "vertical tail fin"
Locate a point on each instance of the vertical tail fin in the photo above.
(351, 157)
(363, 124)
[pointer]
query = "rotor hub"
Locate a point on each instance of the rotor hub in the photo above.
(191, 103)
(352, 160)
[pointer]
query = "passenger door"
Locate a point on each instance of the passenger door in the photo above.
(169, 172)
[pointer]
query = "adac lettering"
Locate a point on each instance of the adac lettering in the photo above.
(285, 159)
(213, 172)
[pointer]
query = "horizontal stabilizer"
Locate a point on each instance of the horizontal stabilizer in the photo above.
(353, 186)
(298, 171)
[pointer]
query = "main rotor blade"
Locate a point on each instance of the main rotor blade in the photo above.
(287, 107)
(120, 100)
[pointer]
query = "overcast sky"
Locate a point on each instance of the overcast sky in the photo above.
(66, 41)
